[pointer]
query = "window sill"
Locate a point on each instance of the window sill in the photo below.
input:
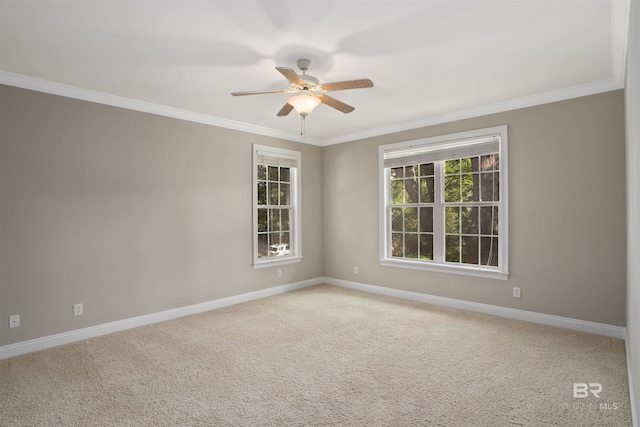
(276, 262)
(487, 272)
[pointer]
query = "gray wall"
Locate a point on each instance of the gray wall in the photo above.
(567, 212)
(128, 213)
(632, 98)
(131, 213)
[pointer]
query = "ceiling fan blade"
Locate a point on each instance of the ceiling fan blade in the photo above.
(285, 110)
(334, 103)
(259, 92)
(291, 75)
(350, 84)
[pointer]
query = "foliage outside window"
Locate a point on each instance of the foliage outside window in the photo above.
(444, 204)
(275, 200)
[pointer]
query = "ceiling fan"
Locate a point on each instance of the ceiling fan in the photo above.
(309, 93)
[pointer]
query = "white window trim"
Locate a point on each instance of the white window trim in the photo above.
(287, 156)
(501, 272)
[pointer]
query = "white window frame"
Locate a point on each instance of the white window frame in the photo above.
(273, 156)
(451, 142)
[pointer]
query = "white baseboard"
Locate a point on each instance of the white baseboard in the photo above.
(529, 316)
(634, 409)
(37, 344)
(29, 346)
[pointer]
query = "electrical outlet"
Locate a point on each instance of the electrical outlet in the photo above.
(279, 273)
(355, 270)
(516, 292)
(14, 321)
(77, 310)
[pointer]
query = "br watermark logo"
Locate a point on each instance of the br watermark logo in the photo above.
(586, 390)
(581, 390)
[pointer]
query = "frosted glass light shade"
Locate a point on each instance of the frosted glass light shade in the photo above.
(304, 104)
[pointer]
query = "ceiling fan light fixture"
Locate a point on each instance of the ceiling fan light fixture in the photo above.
(310, 93)
(304, 103)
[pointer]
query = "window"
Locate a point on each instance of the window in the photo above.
(444, 203)
(276, 213)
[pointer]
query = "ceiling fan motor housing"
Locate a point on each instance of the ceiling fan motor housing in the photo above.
(310, 80)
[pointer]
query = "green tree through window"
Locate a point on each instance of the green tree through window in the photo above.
(274, 211)
(275, 206)
(444, 203)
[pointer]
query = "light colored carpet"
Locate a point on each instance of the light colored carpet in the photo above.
(322, 356)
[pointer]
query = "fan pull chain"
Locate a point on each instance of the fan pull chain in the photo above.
(302, 126)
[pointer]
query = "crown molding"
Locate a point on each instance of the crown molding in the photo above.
(483, 110)
(39, 85)
(53, 88)
(620, 10)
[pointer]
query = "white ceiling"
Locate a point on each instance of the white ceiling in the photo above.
(430, 61)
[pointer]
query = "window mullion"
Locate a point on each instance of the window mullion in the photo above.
(438, 212)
